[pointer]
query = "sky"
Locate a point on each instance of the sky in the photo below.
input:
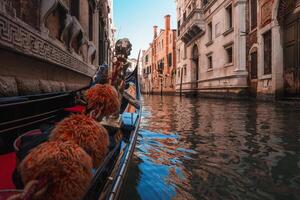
(135, 19)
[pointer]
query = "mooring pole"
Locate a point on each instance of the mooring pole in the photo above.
(161, 86)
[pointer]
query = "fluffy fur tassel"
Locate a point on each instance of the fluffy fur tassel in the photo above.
(104, 98)
(85, 132)
(65, 167)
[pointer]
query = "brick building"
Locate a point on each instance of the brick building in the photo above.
(51, 45)
(159, 61)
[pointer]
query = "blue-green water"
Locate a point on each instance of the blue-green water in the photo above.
(215, 150)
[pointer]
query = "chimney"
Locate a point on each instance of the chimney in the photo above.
(155, 31)
(168, 22)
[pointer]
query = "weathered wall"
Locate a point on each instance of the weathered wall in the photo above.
(29, 12)
(54, 23)
(36, 45)
(84, 15)
(15, 65)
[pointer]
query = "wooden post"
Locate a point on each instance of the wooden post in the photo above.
(161, 86)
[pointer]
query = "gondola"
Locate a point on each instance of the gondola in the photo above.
(39, 113)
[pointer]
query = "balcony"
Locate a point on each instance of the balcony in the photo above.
(192, 26)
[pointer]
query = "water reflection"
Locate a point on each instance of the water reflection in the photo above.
(214, 149)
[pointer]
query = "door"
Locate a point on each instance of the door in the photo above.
(292, 55)
(195, 59)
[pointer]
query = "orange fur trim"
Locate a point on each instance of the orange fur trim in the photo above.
(87, 133)
(66, 167)
(104, 96)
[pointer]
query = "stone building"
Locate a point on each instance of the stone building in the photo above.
(163, 59)
(51, 45)
(111, 31)
(212, 47)
(273, 48)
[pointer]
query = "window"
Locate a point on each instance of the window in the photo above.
(210, 31)
(205, 2)
(170, 59)
(209, 62)
(229, 55)
(178, 73)
(253, 13)
(178, 27)
(185, 70)
(160, 66)
(178, 53)
(146, 58)
(229, 18)
(184, 16)
(253, 57)
(267, 38)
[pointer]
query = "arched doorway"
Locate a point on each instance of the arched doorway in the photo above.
(195, 65)
(290, 23)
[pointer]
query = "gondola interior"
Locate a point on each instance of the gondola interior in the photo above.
(27, 121)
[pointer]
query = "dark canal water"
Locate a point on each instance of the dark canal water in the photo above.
(215, 150)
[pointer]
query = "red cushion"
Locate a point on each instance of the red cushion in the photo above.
(75, 109)
(7, 167)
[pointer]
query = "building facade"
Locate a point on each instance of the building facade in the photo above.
(162, 56)
(211, 47)
(147, 71)
(51, 45)
(273, 48)
(111, 31)
(239, 48)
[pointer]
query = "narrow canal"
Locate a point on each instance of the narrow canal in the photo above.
(215, 150)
